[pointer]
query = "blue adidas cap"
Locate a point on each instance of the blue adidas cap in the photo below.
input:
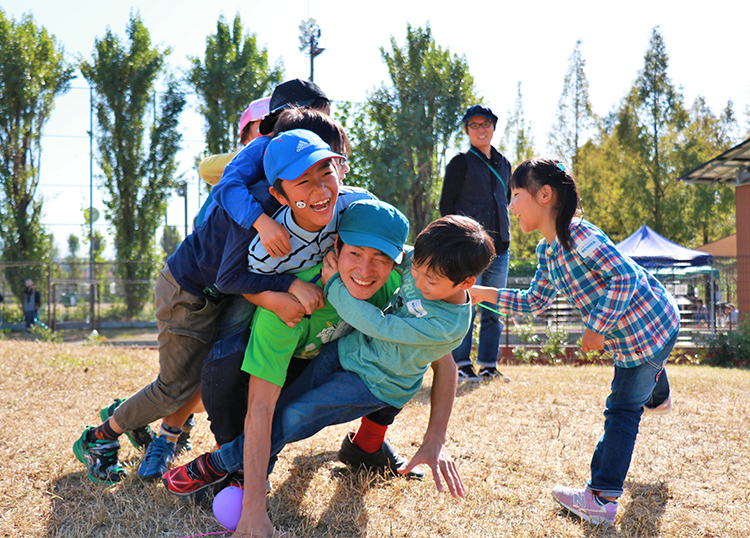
(375, 224)
(292, 153)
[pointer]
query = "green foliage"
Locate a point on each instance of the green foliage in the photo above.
(589, 356)
(730, 348)
(526, 333)
(233, 73)
(522, 267)
(139, 168)
(554, 347)
(33, 73)
(45, 334)
(170, 240)
(402, 133)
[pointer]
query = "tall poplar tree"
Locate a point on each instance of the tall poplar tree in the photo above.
(137, 156)
(517, 144)
(33, 73)
(233, 73)
(648, 126)
(402, 133)
(575, 117)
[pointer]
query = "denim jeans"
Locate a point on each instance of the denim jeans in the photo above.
(631, 389)
(491, 327)
(324, 395)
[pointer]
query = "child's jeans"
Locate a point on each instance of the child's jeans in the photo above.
(632, 388)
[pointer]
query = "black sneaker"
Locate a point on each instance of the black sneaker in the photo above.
(466, 373)
(139, 437)
(100, 458)
(490, 372)
(385, 460)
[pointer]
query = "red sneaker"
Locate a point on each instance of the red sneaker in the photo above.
(193, 479)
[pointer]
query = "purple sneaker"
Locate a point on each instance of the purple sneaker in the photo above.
(584, 504)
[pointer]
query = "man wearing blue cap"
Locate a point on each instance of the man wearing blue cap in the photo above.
(370, 242)
(476, 185)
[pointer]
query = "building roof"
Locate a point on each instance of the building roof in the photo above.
(732, 166)
(723, 248)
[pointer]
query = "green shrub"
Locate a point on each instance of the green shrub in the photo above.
(731, 348)
(554, 347)
(526, 334)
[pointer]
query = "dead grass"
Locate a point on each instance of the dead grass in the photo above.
(690, 475)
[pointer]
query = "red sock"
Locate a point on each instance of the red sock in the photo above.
(369, 436)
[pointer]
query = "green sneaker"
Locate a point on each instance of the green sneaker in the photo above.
(139, 437)
(100, 459)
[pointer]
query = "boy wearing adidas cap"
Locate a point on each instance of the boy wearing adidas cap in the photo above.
(188, 305)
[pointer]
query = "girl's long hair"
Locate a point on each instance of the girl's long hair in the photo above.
(537, 172)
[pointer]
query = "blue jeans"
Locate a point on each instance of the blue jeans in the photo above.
(324, 395)
(631, 389)
(491, 327)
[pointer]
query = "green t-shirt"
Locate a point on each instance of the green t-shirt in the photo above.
(273, 343)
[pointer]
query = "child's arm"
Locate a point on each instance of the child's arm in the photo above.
(233, 277)
(483, 294)
(231, 193)
(212, 167)
(284, 305)
(433, 452)
(370, 320)
(273, 236)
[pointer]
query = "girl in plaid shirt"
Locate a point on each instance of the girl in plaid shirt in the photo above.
(625, 311)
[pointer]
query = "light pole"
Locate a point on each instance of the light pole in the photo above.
(309, 41)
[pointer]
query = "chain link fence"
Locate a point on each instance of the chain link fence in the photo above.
(72, 300)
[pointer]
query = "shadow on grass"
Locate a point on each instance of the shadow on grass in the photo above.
(345, 513)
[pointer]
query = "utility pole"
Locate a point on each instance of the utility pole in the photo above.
(309, 41)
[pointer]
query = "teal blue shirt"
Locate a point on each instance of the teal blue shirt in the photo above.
(391, 349)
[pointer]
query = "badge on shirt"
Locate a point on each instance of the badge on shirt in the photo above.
(589, 245)
(415, 307)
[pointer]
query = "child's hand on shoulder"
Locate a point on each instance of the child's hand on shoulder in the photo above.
(330, 266)
(483, 294)
(273, 236)
(288, 308)
(309, 295)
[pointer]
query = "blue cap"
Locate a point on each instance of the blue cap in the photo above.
(292, 153)
(375, 224)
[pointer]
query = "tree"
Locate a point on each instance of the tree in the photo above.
(708, 211)
(170, 240)
(575, 117)
(72, 260)
(403, 131)
(234, 72)
(136, 179)
(517, 144)
(648, 126)
(33, 73)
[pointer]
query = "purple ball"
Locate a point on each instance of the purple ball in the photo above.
(228, 507)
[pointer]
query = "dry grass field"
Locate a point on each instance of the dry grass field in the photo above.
(690, 475)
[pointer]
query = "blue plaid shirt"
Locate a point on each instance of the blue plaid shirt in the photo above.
(615, 296)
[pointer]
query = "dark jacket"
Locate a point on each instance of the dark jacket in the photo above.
(470, 188)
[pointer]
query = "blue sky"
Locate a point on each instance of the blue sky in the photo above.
(504, 43)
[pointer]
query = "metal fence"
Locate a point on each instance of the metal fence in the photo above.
(71, 299)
